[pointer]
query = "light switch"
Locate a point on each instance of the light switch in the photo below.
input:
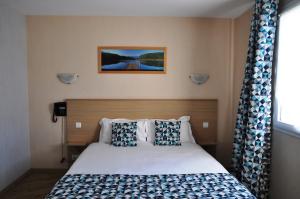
(205, 125)
(78, 125)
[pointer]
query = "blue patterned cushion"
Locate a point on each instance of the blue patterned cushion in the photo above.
(167, 133)
(124, 134)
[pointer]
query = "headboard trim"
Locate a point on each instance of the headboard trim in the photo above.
(90, 111)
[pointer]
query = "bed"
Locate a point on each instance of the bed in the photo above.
(146, 170)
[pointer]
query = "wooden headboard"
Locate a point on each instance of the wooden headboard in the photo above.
(90, 111)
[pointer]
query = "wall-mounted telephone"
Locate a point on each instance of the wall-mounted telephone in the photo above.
(60, 109)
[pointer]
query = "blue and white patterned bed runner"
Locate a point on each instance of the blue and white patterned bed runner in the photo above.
(205, 185)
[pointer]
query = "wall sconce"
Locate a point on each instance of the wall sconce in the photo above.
(67, 78)
(199, 78)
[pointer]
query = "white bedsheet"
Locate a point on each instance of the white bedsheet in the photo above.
(145, 159)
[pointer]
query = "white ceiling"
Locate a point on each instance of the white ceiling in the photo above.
(182, 8)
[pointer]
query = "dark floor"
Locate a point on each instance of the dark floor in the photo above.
(35, 184)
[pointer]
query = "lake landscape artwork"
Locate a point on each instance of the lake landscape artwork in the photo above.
(132, 59)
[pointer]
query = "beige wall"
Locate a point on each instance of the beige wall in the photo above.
(241, 36)
(69, 44)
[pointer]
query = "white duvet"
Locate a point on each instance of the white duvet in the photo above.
(145, 159)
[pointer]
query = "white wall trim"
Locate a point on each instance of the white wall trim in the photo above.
(284, 131)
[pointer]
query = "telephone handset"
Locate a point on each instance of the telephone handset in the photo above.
(60, 109)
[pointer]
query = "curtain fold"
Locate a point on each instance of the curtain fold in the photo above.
(252, 137)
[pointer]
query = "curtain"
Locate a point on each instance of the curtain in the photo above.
(252, 136)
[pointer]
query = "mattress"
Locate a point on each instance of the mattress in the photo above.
(147, 171)
(145, 159)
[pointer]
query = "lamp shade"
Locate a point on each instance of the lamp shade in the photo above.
(67, 78)
(199, 78)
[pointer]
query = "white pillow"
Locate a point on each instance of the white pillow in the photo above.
(185, 129)
(106, 129)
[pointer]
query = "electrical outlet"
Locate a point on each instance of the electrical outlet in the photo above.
(78, 125)
(74, 156)
(205, 125)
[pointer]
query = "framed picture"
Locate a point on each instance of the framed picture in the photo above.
(113, 59)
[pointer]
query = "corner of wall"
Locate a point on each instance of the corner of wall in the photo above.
(14, 131)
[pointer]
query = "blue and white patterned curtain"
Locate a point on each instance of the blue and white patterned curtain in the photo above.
(252, 138)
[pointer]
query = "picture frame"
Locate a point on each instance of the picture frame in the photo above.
(132, 59)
